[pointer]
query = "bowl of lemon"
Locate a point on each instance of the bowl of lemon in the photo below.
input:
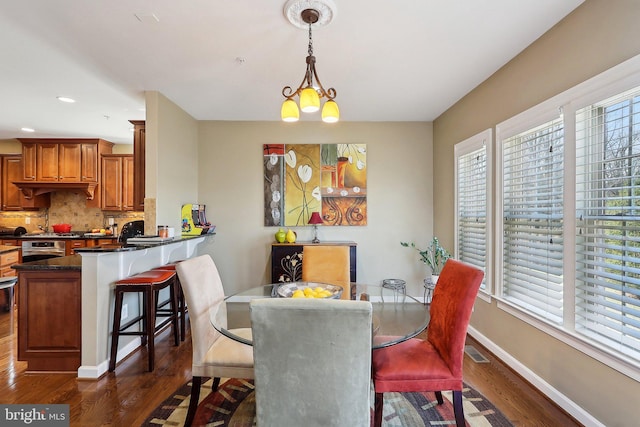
(309, 290)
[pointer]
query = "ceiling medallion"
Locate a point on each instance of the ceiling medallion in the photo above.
(326, 12)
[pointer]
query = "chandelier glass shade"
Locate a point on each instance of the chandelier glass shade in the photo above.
(310, 90)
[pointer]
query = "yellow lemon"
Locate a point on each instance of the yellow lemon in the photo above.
(297, 294)
(319, 289)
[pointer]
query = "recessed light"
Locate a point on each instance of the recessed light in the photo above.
(65, 99)
(27, 130)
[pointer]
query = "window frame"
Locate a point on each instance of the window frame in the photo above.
(469, 145)
(616, 80)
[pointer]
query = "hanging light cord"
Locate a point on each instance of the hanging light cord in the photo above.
(330, 93)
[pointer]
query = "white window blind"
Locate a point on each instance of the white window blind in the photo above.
(608, 222)
(532, 177)
(472, 208)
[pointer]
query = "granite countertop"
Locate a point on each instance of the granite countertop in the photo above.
(73, 262)
(136, 247)
(80, 236)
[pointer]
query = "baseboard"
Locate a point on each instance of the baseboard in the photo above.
(94, 372)
(536, 381)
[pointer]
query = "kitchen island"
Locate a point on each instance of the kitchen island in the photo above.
(96, 268)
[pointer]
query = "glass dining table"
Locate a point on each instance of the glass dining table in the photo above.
(396, 316)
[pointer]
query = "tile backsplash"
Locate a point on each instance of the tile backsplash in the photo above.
(67, 207)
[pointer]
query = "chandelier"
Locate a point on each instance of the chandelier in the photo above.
(310, 90)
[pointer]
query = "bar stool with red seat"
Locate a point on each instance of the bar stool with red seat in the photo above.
(181, 305)
(149, 283)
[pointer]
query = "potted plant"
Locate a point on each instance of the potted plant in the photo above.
(434, 256)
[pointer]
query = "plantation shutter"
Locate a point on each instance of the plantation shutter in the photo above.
(532, 220)
(472, 208)
(608, 222)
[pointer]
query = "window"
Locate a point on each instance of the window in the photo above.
(608, 222)
(532, 226)
(471, 201)
(568, 220)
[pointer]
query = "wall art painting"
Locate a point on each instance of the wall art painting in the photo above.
(303, 178)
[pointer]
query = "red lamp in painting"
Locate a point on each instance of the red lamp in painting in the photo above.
(315, 220)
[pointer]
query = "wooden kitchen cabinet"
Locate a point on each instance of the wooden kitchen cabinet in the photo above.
(71, 245)
(7, 259)
(62, 160)
(49, 319)
(29, 161)
(139, 147)
(9, 255)
(12, 198)
(117, 182)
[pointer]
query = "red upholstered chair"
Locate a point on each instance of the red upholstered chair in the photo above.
(434, 364)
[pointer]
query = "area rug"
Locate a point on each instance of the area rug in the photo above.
(234, 405)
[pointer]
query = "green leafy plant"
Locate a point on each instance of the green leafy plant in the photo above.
(434, 255)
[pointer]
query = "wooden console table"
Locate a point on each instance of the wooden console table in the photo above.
(286, 260)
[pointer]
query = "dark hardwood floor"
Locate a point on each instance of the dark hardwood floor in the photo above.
(125, 398)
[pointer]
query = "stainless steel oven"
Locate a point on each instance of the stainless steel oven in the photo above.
(35, 250)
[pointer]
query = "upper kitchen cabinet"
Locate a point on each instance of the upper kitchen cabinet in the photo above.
(117, 182)
(61, 164)
(138, 163)
(12, 198)
(63, 160)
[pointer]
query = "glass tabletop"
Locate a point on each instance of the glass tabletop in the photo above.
(396, 316)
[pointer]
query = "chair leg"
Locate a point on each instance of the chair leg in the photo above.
(173, 294)
(116, 331)
(181, 309)
(215, 384)
(377, 409)
(439, 397)
(196, 383)
(457, 408)
(150, 304)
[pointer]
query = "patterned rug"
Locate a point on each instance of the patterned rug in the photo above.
(234, 405)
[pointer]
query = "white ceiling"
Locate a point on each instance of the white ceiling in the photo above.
(403, 60)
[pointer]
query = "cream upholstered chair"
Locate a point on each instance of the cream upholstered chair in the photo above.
(311, 370)
(214, 355)
(328, 264)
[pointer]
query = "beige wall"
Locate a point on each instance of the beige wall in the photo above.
(596, 36)
(10, 146)
(171, 162)
(399, 194)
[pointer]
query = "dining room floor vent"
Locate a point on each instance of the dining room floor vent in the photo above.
(475, 355)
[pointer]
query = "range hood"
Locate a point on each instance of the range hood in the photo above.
(30, 189)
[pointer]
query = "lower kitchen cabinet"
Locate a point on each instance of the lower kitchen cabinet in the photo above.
(71, 245)
(9, 256)
(49, 319)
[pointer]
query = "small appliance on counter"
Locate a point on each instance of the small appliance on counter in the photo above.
(131, 229)
(194, 220)
(12, 231)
